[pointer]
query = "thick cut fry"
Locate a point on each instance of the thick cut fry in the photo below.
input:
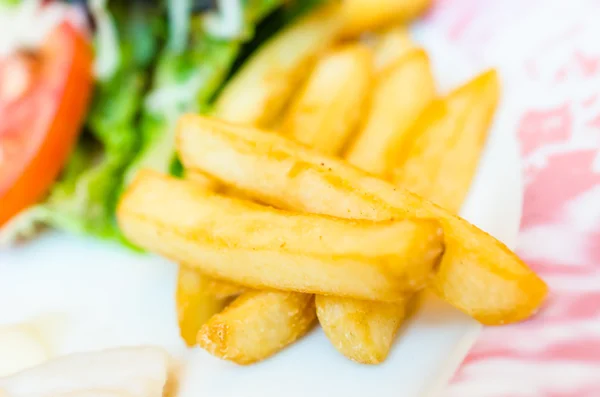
(195, 304)
(440, 157)
(362, 330)
(478, 274)
(324, 116)
(198, 296)
(391, 46)
(259, 91)
(240, 335)
(328, 108)
(401, 94)
(262, 247)
(368, 15)
(457, 135)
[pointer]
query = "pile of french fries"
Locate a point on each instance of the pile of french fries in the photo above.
(324, 187)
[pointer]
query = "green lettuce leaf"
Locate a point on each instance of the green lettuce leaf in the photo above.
(129, 128)
(187, 82)
(83, 200)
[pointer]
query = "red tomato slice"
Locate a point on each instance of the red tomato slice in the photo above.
(43, 103)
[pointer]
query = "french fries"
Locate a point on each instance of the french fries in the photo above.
(197, 296)
(265, 248)
(195, 303)
(259, 91)
(459, 130)
(401, 93)
(363, 331)
(365, 15)
(390, 47)
(240, 335)
(440, 157)
(323, 115)
(328, 108)
(364, 240)
(478, 274)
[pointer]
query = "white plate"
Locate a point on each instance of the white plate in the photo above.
(104, 296)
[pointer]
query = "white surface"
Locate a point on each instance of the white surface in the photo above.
(111, 297)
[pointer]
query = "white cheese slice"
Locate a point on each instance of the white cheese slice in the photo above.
(125, 372)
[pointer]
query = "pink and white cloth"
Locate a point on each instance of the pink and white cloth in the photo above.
(548, 53)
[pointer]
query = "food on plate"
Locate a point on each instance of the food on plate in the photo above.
(272, 231)
(323, 115)
(327, 109)
(152, 61)
(259, 91)
(128, 371)
(198, 296)
(368, 15)
(439, 158)
(287, 175)
(43, 101)
(195, 302)
(390, 46)
(363, 331)
(257, 325)
(82, 200)
(261, 247)
(401, 93)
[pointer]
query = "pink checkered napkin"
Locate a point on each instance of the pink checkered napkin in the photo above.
(549, 55)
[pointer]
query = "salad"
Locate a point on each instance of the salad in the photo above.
(90, 92)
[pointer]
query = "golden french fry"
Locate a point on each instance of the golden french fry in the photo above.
(368, 15)
(478, 274)
(391, 46)
(259, 91)
(195, 304)
(362, 330)
(401, 94)
(440, 156)
(454, 129)
(261, 247)
(324, 115)
(328, 108)
(197, 295)
(240, 335)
